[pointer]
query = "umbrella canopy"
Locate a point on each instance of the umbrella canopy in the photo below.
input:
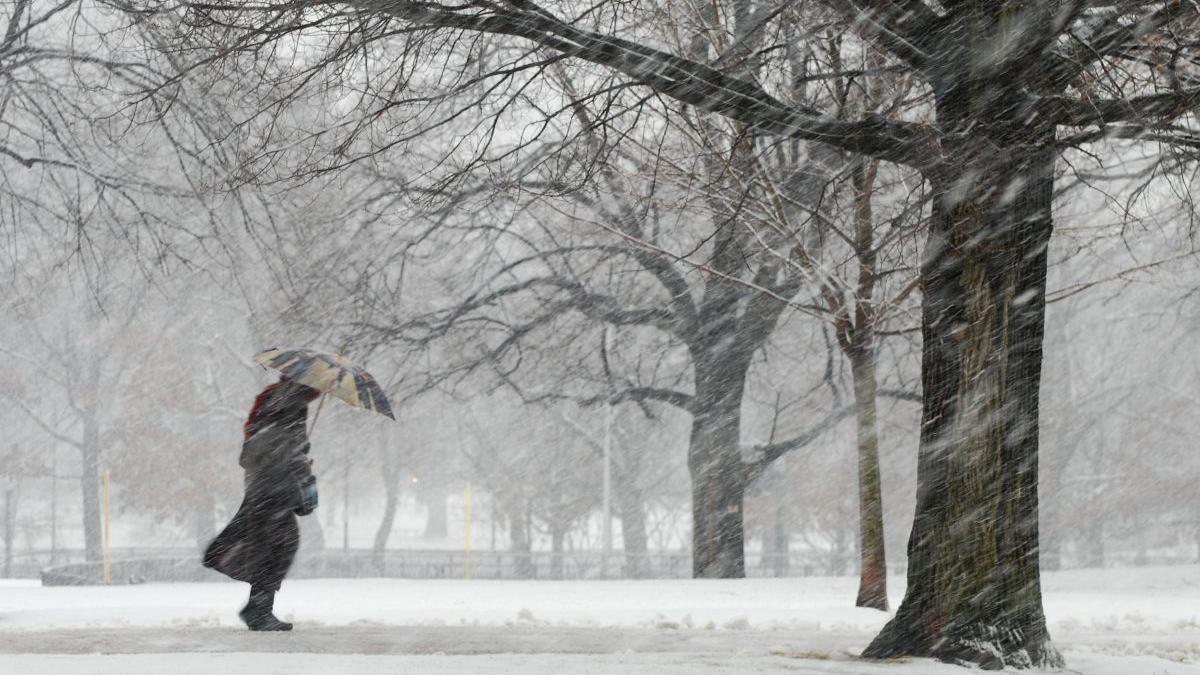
(331, 374)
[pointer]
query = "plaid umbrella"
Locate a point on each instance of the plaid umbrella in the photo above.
(331, 374)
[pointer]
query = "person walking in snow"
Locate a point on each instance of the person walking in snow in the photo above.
(259, 544)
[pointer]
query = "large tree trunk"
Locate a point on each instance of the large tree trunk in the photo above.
(974, 590)
(872, 583)
(718, 475)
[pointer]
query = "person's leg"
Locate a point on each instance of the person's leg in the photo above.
(259, 612)
(279, 537)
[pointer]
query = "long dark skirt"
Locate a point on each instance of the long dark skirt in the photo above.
(259, 544)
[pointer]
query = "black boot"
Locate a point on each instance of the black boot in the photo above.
(258, 614)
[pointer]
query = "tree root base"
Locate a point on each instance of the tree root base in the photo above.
(981, 646)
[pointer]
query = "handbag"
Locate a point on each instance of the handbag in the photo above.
(306, 501)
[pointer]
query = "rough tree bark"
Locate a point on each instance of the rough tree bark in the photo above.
(974, 589)
(718, 475)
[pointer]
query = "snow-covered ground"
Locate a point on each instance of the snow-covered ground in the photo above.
(1138, 621)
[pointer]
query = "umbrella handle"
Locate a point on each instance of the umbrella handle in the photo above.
(317, 414)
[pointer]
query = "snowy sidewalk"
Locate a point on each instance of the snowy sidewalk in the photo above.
(545, 664)
(1110, 622)
(375, 650)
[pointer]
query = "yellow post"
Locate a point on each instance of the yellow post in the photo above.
(467, 567)
(107, 575)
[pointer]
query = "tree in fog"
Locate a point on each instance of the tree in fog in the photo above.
(1120, 469)
(1007, 87)
(717, 313)
(862, 277)
(74, 179)
(73, 397)
(540, 473)
(641, 444)
(90, 213)
(817, 493)
(176, 444)
(418, 456)
(19, 462)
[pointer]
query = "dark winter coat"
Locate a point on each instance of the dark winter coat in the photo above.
(260, 542)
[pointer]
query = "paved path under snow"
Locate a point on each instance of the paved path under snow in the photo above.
(531, 650)
(418, 640)
(1109, 622)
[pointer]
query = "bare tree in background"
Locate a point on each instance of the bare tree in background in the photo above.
(390, 472)
(721, 310)
(640, 444)
(81, 178)
(176, 441)
(865, 219)
(565, 490)
(73, 401)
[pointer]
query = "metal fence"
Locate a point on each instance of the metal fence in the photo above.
(28, 564)
(154, 565)
(141, 565)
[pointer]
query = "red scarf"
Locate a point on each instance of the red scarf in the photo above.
(265, 407)
(256, 411)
